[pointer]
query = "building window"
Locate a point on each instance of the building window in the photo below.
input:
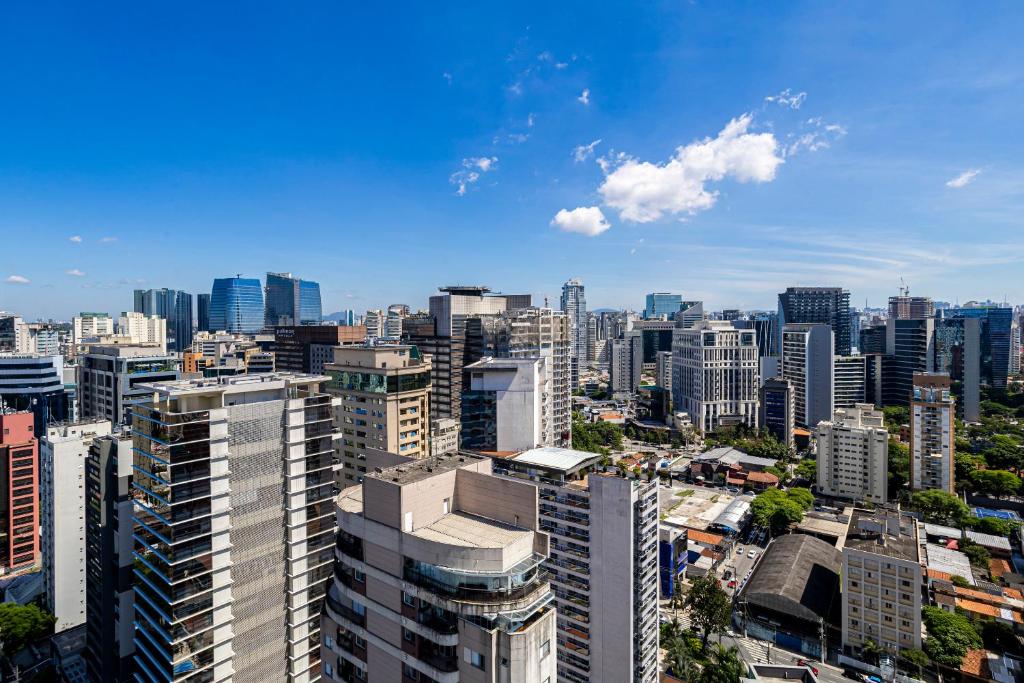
(474, 658)
(410, 673)
(408, 599)
(408, 636)
(545, 649)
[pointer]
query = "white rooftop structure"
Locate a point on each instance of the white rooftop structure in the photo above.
(556, 458)
(953, 562)
(989, 541)
(942, 531)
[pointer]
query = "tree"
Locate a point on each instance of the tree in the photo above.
(940, 507)
(896, 417)
(899, 467)
(995, 526)
(960, 582)
(21, 625)
(950, 636)
(777, 509)
(723, 665)
(679, 658)
(807, 469)
(916, 658)
(978, 555)
(995, 482)
(709, 607)
(870, 651)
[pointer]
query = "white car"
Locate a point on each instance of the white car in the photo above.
(752, 554)
(739, 550)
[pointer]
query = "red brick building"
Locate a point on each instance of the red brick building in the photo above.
(19, 492)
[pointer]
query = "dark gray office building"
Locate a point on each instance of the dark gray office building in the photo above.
(817, 305)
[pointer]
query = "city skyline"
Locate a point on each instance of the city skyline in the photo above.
(777, 146)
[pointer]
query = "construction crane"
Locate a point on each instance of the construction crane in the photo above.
(904, 289)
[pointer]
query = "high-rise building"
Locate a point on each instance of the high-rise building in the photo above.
(41, 338)
(306, 348)
(932, 427)
(850, 380)
(236, 305)
(35, 383)
(818, 305)
(291, 301)
(181, 326)
(881, 582)
(905, 307)
(574, 304)
(663, 370)
(534, 333)
(88, 325)
(384, 406)
(958, 354)
(603, 564)
(508, 406)
(374, 322)
(19, 492)
(853, 454)
(715, 374)
(809, 365)
(909, 348)
(996, 340)
(872, 339)
(143, 329)
(439, 578)
(656, 335)
(662, 305)
(109, 597)
(393, 321)
(776, 410)
(173, 306)
(690, 315)
(203, 312)
(10, 332)
(110, 378)
(625, 363)
(62, 455)
(233, 487)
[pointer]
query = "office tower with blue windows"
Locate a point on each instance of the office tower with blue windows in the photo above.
(662, 304)
(817, 305)
(291, 301)
(236, 305)
(996, 340)
(173, 306)
(234, 532)
(574, 304)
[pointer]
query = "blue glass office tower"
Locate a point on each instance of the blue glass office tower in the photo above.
(291, 301)
(203, 311)
(236, 305)
(173, 306)
(996, 330)
(182, 322)
(662, 303)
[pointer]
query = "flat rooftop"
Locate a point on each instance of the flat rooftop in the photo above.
(467, 530)
(554, 458)
(201, 385)
(869, 532)
(417, 470)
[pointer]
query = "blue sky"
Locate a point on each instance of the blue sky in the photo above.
(743, 148)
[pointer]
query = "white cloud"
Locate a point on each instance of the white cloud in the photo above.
(584, 96)
(447, 76)
(643, 191)
(964, 179)
(561, 65)
(583, 152)
(74, 272)
(77, 239)
(17, 280)
(530, 120)
(585, 220)
(107, 240)
(472, 167)
(515, 138)
(817, 136)
(516, 88)
(787, 98)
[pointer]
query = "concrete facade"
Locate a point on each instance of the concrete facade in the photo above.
(932, 433)
(853, 455)
(508, 406)
(808, 364)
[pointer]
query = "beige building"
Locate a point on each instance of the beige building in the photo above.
(853, 454)
(882, 581)
(932, 425)
(384, 394)
(143, 329)
(439, 578)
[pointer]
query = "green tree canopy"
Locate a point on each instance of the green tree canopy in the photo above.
(899, 467)
(723, 665)
(994, 482)
(595, 437)
(778, 509)
(950, 636)
(21, 625)
(807, 469)
(896, 417)
(709, 607)
(978, 555)
(995, 526)
(940, 507)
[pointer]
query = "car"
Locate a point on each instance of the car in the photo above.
(873, 679)
(752, 554)
(739, 550)
(732, 584)
(804, 662)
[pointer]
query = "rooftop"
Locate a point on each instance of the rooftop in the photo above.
(207, 384)
(424, 468)
(467, 530)
(555, 458)
(885, 532)
(947, 561)
(727, 455)
(798, 575)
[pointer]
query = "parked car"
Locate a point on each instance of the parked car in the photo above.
(804, 662)
(752, 554)
(732, 584)
(739, 550)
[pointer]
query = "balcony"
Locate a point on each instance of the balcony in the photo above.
(344, 612)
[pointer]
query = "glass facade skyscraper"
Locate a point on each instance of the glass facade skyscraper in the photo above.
(996, 329)
(817, 305)
(662, 303)
(236, 305)
(291, 301)
(173, 306)
(203, 311)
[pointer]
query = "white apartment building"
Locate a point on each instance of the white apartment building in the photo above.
(881, 582)
(715, 374)
(808, 364)
(574, 304)
(439, 578)
(663, 370)
(603, 564)
(143, 329)
(853, 454)
(90, 325)
(234, 535)
(110, 377)
(62, 455)
(932, 433)
(850, 374)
